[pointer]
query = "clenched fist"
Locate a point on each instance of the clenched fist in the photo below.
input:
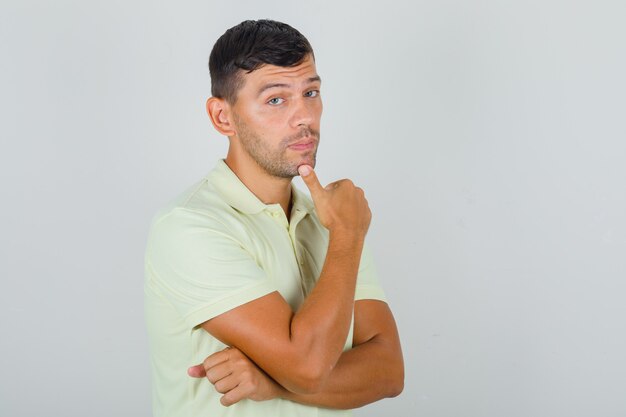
(341, 206)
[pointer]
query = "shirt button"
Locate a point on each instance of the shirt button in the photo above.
(301, 262)
(275, 214)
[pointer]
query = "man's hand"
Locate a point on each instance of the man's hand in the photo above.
(341, 206)
(376, 355)
(299, 349)
(236, 376)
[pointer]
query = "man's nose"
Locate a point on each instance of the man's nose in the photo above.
(303, 113)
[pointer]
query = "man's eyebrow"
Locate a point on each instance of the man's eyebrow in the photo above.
(283, 85)
(271, 85)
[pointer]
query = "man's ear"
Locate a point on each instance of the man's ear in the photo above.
(219, 113)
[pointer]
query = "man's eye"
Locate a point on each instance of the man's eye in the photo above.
(312, 93)
(276, 100)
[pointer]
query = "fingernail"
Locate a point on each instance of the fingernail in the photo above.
(304, 170)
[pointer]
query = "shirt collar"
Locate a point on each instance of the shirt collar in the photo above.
(238, 196)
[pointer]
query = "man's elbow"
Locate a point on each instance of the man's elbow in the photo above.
(395, 385)
(308, 379)
(396, 388)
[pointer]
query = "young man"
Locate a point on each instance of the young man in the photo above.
(269, 294)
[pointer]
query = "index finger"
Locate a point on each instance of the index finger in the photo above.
(310, 179)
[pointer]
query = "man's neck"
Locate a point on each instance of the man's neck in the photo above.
(267, 188)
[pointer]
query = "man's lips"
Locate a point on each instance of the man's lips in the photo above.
(304, 144)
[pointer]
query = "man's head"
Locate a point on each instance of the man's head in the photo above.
(248, 46)
(266, 95)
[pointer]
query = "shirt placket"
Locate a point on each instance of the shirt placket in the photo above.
(290, 230)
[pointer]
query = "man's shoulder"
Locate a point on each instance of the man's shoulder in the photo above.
(200, 203)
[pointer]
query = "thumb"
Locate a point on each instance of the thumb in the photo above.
(311, 181)
(196, 371)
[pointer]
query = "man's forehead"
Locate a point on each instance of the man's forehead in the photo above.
(303, 72)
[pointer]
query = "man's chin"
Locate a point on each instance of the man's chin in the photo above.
(308, 160)
(290, 170)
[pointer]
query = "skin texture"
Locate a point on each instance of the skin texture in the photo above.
(274, 351)
(376, 356)
(275, 160)
(260, 126)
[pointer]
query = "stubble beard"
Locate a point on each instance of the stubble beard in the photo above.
(274, 161)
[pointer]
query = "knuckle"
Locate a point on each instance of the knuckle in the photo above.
(247, 387)
(211, 377)
(232, 397)
(241, 363)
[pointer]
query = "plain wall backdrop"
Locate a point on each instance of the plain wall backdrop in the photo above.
(489, 136)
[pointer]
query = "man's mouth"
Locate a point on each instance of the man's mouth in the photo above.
(303, 144)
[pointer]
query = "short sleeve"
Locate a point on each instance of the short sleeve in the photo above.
(367, 286)
(200, 268)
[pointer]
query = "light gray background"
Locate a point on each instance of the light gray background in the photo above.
(489, 137)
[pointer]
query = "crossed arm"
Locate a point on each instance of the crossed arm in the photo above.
(276, 352)
(373, 369)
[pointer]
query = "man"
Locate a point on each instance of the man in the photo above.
(269, 294)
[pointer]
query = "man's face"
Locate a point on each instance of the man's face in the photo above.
(277, 117)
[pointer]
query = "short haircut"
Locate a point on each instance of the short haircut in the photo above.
(250, 45)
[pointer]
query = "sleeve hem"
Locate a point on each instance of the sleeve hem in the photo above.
(223, 305)
(367, 292)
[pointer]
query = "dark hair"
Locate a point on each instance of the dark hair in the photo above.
(250, 45)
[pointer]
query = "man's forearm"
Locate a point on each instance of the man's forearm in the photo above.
(372, 370)
(323, 321)
(299, 349)
(364, 374)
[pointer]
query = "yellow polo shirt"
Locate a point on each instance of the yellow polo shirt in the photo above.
(216, 247)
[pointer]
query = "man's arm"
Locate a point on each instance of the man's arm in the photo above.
(299, 350)
(373, 369)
